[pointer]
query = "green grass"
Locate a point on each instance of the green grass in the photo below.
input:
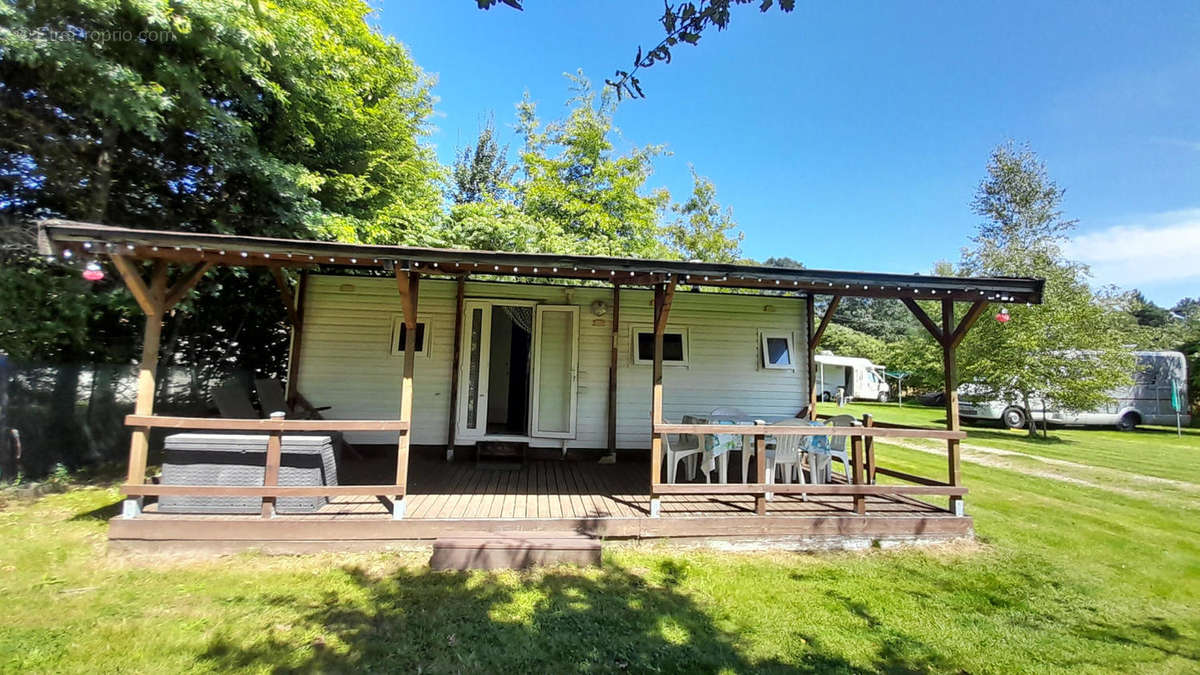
(1067, 578)
(1153, 451)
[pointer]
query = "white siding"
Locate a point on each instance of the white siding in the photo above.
(345, 359)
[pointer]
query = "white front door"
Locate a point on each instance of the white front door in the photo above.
(473, 369)
(553, 395)
(555, 371)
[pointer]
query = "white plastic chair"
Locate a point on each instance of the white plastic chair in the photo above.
(837, 444)
(747, 448)
(787, 453)
(685, 447)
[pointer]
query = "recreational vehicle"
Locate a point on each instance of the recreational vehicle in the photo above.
(1147, 401)
(860, 378)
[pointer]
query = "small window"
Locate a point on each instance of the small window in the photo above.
(675, 347)
(778, 351)
(400, 335)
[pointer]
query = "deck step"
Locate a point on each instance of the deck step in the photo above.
(492, 551)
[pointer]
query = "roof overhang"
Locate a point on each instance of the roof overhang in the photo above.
(57, 237)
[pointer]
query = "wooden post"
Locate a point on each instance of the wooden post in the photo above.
(152, 300)
(612, 375)
(297, 318)
(459, 295)
(760, 468)
(869, 447)
(815, 333)
(950, 368)
(274, 457)
(810, 314)
(408, 284)
(856, 462)
(663, 295)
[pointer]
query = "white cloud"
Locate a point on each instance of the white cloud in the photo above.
(1151, 251)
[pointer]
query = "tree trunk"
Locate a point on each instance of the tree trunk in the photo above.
(102, 184)
(1030, 422)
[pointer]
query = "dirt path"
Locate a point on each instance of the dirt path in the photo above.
(1103, 478)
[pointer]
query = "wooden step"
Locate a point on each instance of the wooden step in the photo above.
(491, 551)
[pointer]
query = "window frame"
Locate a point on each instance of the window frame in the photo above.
(396, 349)
(682, 331)
(764, 362)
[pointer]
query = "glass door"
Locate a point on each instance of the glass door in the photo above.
(473, 369)
(555, 366)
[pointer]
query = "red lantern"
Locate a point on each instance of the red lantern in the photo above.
(1003, 316)
(93, 271)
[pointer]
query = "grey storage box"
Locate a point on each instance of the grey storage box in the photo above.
(240, 459)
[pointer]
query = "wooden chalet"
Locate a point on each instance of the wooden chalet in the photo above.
(587, 361)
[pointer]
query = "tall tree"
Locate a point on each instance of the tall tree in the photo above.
(575, 181)
(702, 230)
(482, 171)
(1066, 352)
(285, 119)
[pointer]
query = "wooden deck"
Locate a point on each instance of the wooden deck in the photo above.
(554, 496)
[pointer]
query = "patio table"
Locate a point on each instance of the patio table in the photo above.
(716, 445)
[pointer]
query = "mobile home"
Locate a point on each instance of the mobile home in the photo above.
(1159, 382)
(859, 378)
(601, 368)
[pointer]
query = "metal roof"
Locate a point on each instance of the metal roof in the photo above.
(57, 237)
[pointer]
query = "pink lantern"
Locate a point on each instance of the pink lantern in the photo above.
(93, 272)
(1003, 316)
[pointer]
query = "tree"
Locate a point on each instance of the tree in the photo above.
(683, 23)
(573, 181)
(883, 318)
(1065, 353)
(702, 230)
(284, 119)
(783, 261)
(845, 341)
(482, 171)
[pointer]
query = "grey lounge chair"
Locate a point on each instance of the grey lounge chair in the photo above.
(233, 401)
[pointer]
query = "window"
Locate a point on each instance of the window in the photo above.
(675, 347)
(400, 334)
(778, 351)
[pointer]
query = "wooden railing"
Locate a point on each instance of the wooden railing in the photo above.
(270, 490)
(862, 459)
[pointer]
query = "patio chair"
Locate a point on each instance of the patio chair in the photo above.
(686, 448)
(747, 448)
(270, 395)
(787, 453)
(233, 401)
(837, 444)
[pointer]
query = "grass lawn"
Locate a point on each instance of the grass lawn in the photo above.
(1067, 577)
(1153, 451)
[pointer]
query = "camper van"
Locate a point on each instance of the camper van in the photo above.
(1146, 401)
(860, 378)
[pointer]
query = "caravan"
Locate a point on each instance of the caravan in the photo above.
(859, 378)
(1159, 382)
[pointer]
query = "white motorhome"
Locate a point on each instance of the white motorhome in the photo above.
(860, 378)
(1146, 401)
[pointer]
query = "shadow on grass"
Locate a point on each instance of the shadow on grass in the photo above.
(103, 513)
(556, 620)
(1154, 633)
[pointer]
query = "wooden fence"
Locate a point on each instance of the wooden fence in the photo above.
(270, 490)
(863, 463)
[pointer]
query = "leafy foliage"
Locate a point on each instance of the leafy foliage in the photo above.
(481, 172)
(845, 341)
(702, 230)
(586, 193)
(1067, 351)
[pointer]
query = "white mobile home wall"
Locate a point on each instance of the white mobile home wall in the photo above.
(346, 359)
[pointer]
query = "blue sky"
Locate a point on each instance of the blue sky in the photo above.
(853, 136)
